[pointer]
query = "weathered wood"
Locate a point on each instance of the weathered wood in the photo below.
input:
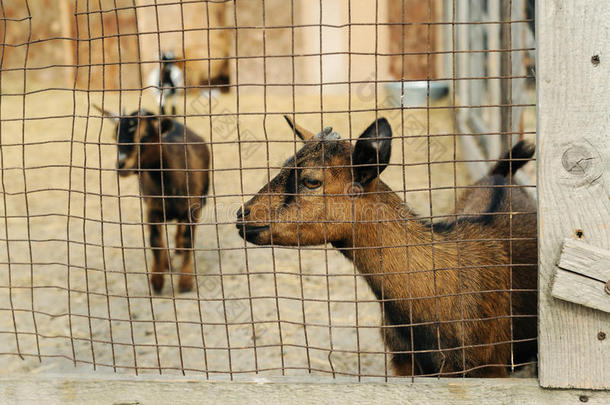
(582, 273)
(468, 123)
(103, 389)
(518, 94)
(507, 92)
(582, 258)
(580, 290)
(494, 142)
(506, 72)
(573, 183)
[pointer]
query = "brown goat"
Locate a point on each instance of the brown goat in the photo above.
(172, 163)
(445, 287)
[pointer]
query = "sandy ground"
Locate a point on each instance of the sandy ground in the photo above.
(86, 299)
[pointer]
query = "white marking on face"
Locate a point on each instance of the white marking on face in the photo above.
(122, 156)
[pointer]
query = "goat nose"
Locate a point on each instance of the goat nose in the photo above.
(121, 164)
(244, 213)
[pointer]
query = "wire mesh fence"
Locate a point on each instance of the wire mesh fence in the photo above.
(173, 200)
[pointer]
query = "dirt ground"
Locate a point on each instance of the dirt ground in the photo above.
(88, 300)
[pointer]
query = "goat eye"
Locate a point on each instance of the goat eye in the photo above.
(312, 183)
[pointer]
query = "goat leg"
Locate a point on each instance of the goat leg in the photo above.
(161, 263)
(186, 243)
(180, 229)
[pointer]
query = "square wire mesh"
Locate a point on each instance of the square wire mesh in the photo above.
(348, 277)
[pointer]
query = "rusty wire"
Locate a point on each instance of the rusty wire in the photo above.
(90, 302)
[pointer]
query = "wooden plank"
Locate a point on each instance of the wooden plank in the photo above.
(582, 273)
(580, 290)
(573, 183)
(109, 389)
(582, 258)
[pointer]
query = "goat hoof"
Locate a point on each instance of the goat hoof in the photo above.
(157, 284)
(185, 285)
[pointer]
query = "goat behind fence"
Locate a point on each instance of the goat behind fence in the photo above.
(440, 277)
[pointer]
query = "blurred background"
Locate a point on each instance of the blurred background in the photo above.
(455, 78)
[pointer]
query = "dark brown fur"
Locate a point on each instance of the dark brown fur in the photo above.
(445, 287)
(516, 219)
(174, 178)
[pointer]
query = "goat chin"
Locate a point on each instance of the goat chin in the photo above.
(266, 236)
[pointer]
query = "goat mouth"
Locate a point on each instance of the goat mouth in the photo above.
(124, 172)
(250, 230)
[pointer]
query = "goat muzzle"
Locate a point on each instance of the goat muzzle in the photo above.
(248, 231)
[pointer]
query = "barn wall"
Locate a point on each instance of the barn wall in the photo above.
(315, 60)
(253, 43)
(418, 38)
(161, 31)
(264, 45)
(107, 50)
(16, 30)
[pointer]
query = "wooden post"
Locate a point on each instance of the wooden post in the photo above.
(505, 72)
(518, 94)
(494, 144)
(573, 181)
(66, 11)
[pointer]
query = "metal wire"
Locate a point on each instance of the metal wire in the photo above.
(78, 242)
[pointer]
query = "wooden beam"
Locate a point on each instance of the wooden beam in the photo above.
(114, 389)
(573, 181)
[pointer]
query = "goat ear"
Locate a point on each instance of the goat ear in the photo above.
(106, 114)
(372, 151)
(301, 132)
(164, 125)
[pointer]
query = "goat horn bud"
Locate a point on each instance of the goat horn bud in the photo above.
(327, 134)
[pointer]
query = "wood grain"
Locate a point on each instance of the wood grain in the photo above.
(582, 273)
(112, 389)
(573, 183)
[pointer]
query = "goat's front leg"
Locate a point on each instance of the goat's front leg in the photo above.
(161, 263)
(185, 240)
(403, 362)
(179, 233)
